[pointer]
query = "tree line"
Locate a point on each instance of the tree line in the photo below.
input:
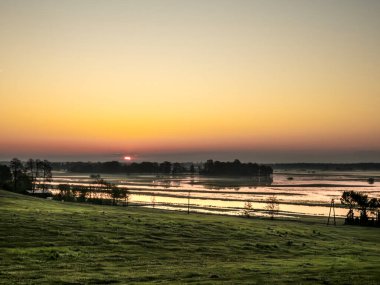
(235, 168)
(23, 177)
(209, 168)
(165, 167)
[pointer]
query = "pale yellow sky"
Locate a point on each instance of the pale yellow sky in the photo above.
(152, 76)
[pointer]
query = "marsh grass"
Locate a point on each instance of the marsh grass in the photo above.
(50, 242)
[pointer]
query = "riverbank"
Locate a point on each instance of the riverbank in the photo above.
(45, 242)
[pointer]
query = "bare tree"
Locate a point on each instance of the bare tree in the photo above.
(247, 209)
(273, 206)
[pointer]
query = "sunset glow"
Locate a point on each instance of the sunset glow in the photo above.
(196, 76)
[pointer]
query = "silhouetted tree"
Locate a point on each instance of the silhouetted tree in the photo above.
(5, 177)
(349, 198)
(46, 173)
(96, 186)
(17, 170)
(124, 194)
(360, 201)
(34, 171)
(115, 193)
(363, 204)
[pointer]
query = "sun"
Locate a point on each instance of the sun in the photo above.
(127, 158)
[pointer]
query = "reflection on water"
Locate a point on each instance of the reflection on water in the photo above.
(232, 183)
(306, 194)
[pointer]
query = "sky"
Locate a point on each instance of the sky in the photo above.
(265, 81)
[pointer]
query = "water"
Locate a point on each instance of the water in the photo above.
(308, 193)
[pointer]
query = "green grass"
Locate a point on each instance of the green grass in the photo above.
(49, 242)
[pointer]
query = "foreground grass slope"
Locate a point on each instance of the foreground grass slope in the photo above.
(48, 242)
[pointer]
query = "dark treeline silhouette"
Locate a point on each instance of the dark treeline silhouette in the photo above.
(327, 166)
(235, 168)
(369, 209)
(25, 177)
(166, 167)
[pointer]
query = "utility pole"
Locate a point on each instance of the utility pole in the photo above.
(332, 207)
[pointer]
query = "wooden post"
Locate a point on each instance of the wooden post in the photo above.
(188, 203)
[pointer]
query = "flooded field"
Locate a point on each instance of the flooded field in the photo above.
(298, 192)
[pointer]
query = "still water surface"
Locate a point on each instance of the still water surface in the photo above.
(299, 192)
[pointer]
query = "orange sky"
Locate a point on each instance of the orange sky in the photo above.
(184, 76)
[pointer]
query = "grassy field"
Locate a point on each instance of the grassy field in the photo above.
(49, 242)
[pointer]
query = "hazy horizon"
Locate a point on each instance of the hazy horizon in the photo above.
(247, 156)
